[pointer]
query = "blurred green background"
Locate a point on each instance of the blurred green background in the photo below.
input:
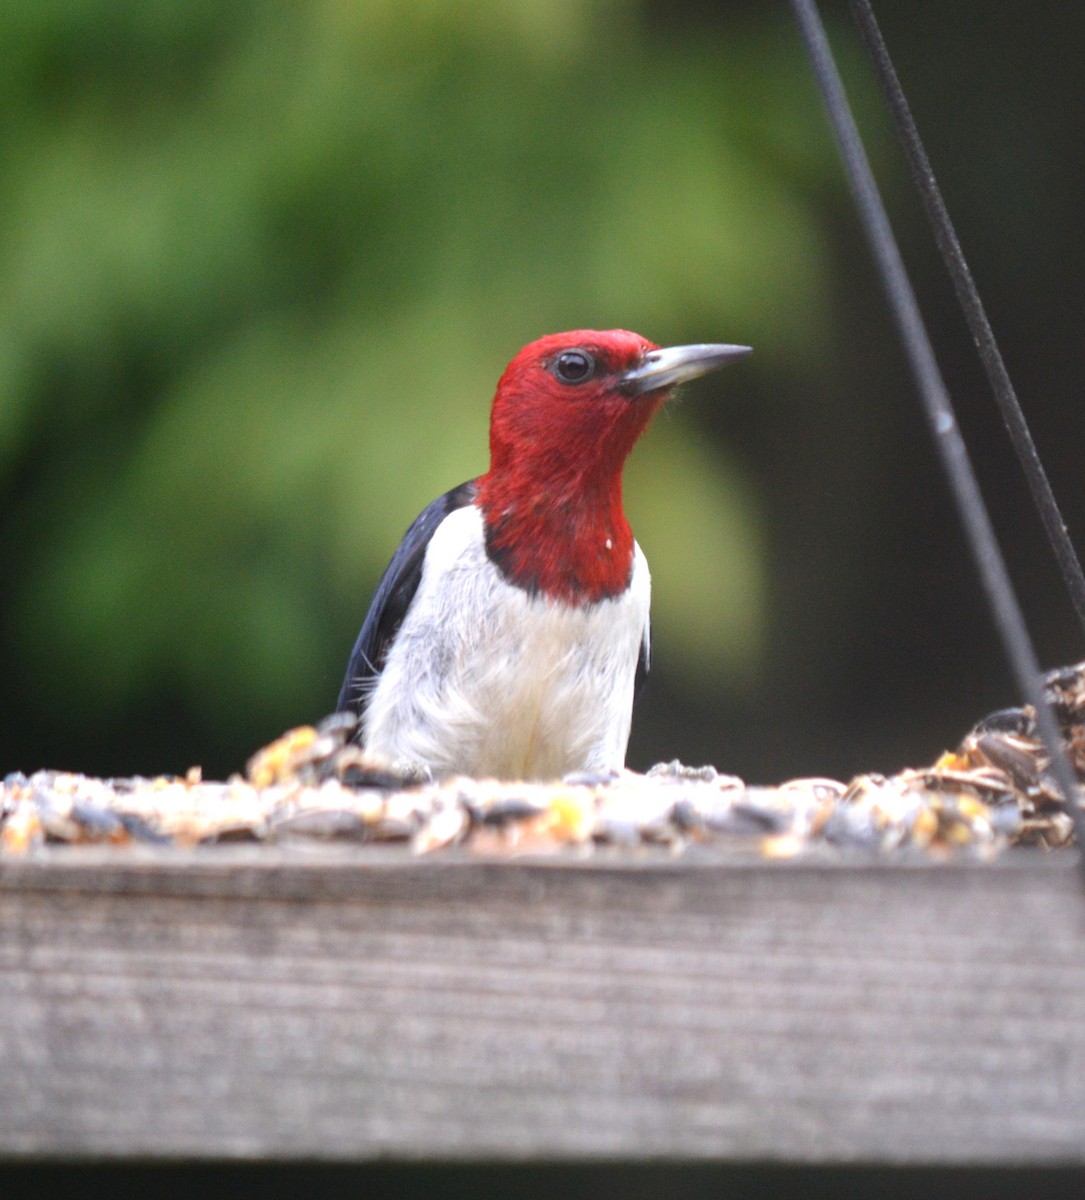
(262, 264)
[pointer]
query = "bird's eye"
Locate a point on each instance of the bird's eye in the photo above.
(573, 366)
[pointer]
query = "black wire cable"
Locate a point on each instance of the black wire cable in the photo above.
(939, 410)
(968, 297)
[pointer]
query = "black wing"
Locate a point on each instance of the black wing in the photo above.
(393, 597)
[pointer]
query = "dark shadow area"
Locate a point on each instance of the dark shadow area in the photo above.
(647, 1181)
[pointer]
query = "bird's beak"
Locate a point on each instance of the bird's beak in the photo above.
(677, 364)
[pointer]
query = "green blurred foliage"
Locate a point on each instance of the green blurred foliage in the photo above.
(261, 265)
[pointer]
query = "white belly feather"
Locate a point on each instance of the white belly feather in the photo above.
(485, 679)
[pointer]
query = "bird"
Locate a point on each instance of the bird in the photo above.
(510, 631)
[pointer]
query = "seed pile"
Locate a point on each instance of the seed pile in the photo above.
(315, 784)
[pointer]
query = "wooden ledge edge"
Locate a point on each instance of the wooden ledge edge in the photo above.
(331, 871)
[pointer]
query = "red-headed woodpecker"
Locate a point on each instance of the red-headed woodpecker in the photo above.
(507, 634)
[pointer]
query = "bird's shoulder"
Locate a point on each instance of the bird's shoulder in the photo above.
(395, 591)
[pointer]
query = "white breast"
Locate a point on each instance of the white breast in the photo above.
(485, 679)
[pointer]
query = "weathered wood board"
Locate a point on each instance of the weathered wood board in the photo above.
(350, 1004)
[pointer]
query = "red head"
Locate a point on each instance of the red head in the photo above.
(567, 412)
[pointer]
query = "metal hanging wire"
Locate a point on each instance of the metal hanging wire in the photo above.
(1001, 597)
(968, 296)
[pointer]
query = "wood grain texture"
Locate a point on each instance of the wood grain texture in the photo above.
(347, 1006)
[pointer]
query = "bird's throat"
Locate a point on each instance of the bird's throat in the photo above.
(571, 542)
(552, 499)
